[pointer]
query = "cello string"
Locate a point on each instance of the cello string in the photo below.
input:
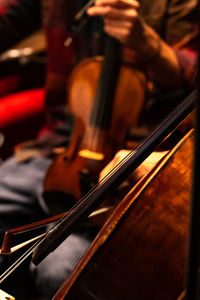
(19, 246)
(18, 262)
(25, 255)
(140, 145)
(101, 183)
(181, 106)
(131, 154)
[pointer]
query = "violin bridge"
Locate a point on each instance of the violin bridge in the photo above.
(5, 296)
(91, 154)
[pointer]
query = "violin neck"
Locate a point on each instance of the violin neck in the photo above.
(103, 101)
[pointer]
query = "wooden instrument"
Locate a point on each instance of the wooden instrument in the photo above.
(140, 253)
(100, 124)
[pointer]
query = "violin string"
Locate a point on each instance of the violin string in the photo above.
(98, 185)
(97, 138)
(25, 255)
(18, 262)
(133, 151)
(19, 246)
(117, 167)
(108, 176)
(124, 160)
(93, 140)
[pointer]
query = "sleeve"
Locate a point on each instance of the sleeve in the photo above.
(181, 34)
(17, 20)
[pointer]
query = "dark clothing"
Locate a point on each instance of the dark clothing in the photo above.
(175, 21)
(21, 198)
(17, 20)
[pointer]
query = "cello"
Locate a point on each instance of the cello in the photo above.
(126, 204)
(140, 252)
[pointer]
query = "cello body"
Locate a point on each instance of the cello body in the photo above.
(140, 253)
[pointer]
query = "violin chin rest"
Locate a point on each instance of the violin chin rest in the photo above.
(58, 202)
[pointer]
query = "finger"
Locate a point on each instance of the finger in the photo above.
(119, 156)
(106, 170)
(111, 8)
(113, 13)
(118, 24)
(99, 10)
(121, 15)
(118, 3)
(118, 33)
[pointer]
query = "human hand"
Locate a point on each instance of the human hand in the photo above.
(120, 18)
(119, 156)
(146, 166)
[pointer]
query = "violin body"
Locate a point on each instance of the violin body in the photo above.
(128, 100)
(140, 252)
(92, 146)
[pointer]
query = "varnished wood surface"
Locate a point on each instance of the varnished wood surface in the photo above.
(63, 175)
(140, 253)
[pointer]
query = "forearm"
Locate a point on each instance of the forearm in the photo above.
(160, 59)
(123, 21)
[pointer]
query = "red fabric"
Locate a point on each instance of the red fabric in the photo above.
(5, 5)
(60, 58)
(16, 107)
(9, 84)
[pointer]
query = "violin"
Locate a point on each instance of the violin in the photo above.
(106, 98)
(130, 212)
(140, 252)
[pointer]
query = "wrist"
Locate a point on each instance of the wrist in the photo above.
(153, 54)
(147, 43)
